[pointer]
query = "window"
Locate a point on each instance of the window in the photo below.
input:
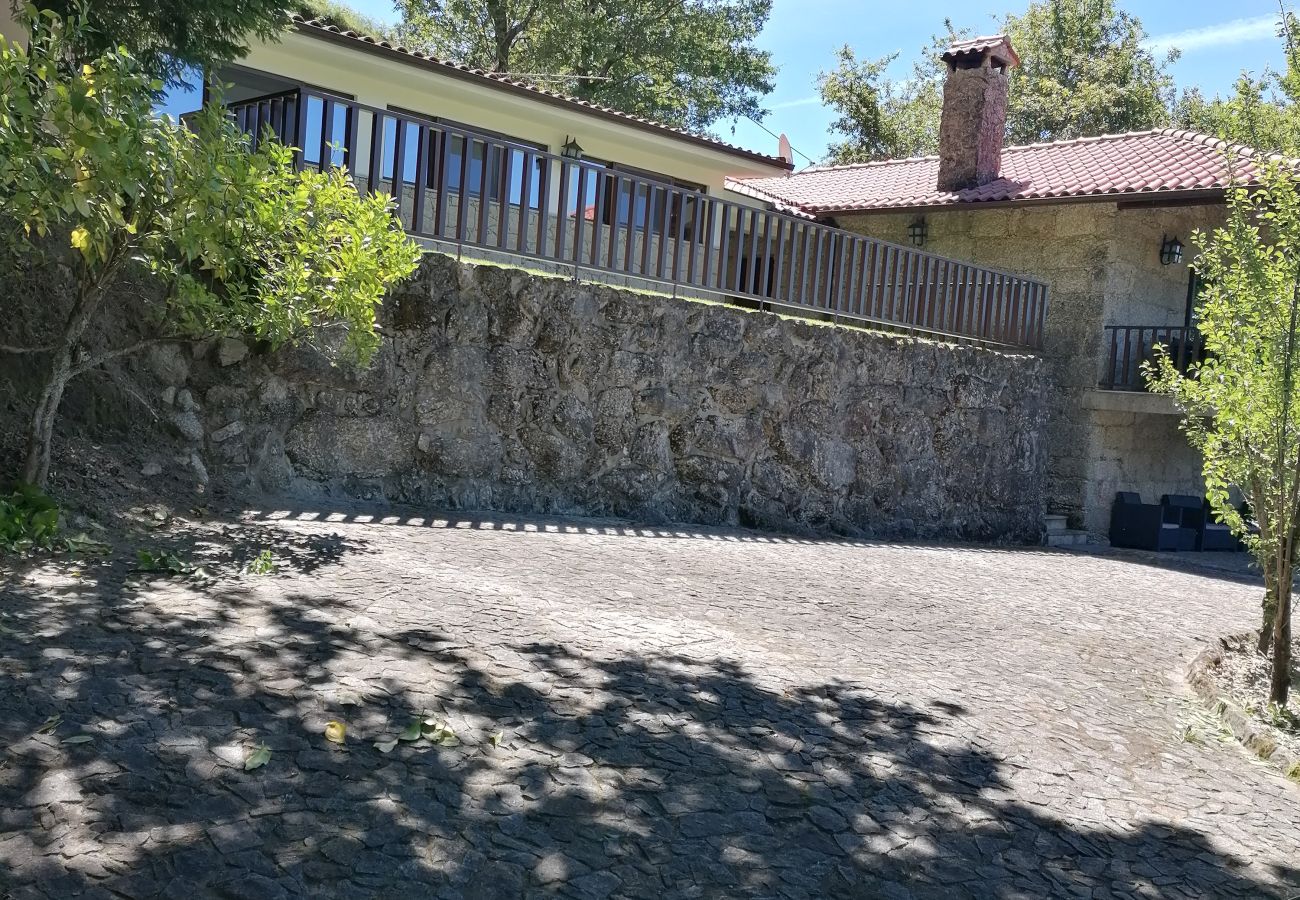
(468, 153)
(644, 204)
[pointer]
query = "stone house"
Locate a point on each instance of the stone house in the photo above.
(1102, 220)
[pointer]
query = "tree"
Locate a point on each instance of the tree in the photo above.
(1256, 114)
(687, 63)
(1261, 112)
(237, 241)
(345, 18)
(170, 38)
(1241, 405)
(1084, 71)
(881, 118)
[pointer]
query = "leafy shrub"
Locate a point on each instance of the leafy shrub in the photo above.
(29, 520)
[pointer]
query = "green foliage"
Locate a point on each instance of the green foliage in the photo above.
(168, 37)
(1241, 404)
(881, 118)
(1256, 114)
(240, 241)
(342, 16)
(259, 756)
(262, 564)
(162, 562)
(684, 64)
(1261, 112)
(1243, 411)
(244, 242)
(1084, 71)
(29, 520)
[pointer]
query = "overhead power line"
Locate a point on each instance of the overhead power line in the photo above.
(778, 137)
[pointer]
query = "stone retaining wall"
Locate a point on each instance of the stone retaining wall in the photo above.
(497, 389)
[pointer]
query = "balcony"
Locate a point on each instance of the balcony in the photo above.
(491, 198)
(1127, 347)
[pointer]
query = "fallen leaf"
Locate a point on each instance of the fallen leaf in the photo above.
(385, 746)
(495, 737)
(78, 739)
(410, 732)
(335, 732)
(49, 725)
(260, 756)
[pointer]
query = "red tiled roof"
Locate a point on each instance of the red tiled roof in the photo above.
(318, 28)
(998, 42)
(1140, 163)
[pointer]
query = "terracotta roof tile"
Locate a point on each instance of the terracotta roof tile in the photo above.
(997, 42)
(1137, 163)
(319, 27)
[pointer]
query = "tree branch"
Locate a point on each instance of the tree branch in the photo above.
(45, 348)
(94, 362)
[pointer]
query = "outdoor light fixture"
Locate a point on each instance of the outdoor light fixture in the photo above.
(1171, 250)
(917, 232)
(571, 148)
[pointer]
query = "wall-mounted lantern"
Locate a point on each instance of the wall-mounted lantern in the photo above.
(571, 149)
(1171, 250)
(917, 232)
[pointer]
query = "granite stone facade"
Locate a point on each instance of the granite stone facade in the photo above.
(498, 389)
(1102, 265)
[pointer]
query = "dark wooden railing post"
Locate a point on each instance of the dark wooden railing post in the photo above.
(728, 247)
(1127, 348)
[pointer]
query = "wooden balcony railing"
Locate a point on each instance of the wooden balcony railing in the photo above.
(504, 198)
(1127, 347)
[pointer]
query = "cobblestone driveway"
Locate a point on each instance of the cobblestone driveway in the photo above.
(695, 714)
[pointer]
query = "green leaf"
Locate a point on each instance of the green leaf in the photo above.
(259, 757)
(411, 732)
(78, 739)
(84, 543)
(386, 746)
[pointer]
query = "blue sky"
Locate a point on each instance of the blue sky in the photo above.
(1218, 40)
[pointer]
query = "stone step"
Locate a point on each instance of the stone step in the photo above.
(1054, 523)
(1071, 537)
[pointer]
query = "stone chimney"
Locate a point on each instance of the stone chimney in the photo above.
(974, 119)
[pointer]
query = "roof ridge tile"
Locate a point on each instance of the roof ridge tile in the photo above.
(1137, 163)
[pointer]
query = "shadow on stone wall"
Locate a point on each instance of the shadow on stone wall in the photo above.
(636, 775)
(502, 390)
(497, 389)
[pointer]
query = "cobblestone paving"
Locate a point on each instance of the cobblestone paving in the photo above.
(681, 714)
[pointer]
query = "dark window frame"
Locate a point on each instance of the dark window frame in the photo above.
(500, 178)
(303, 85)
(660, 216)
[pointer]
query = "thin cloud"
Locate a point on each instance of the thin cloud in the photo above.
(802, 101)
(1238, 31)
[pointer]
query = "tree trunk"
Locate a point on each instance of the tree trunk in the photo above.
(502, 39)
(1281, 681)
(1269, 608)
(40, 434)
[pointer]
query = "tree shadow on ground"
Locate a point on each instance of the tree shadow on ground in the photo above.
(627, 775)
